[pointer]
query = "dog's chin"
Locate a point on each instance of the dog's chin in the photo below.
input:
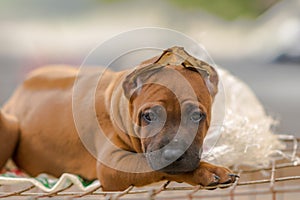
(174, 169)
(177, 167)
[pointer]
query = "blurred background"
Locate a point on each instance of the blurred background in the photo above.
(256, 40)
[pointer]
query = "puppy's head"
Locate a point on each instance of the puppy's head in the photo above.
(170, 99)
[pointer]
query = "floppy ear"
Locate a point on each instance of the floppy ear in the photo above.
(134, 81)
(139, 75)
(209, 75)
(207, 72)
(212, 81)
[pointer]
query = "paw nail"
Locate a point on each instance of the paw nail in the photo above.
(234, 175)
(217, 178)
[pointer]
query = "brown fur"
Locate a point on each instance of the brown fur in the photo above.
(38, 128)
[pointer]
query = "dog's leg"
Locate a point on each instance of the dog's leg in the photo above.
(206, 175)
(9, 135)
(114, 179)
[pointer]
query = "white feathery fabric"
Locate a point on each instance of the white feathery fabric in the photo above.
(240, 132)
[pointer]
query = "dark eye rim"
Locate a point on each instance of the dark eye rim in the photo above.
(147, 118)
(201, 116)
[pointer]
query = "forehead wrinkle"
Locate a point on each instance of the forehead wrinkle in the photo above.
(159, 94)
(166, 93)
(150, 90)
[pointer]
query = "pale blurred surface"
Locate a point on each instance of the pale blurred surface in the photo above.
(37, 33)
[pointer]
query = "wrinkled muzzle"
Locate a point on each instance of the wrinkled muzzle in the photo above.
(175, 157)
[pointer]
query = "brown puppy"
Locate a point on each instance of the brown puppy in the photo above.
(153, 121)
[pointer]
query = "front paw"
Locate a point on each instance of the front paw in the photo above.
(210, 175)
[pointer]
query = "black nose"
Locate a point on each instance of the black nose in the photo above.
(172, 154)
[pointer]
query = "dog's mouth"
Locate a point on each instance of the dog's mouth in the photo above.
(173, 162)
(181, 165)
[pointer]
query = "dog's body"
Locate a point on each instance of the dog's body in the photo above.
(37, 124)
(43, 107)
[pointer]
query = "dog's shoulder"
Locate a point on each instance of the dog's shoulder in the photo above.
(47, 77)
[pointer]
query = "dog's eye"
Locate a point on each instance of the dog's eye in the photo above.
(149, 116)
(197, 116)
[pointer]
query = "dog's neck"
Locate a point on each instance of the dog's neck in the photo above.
(118, 106)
